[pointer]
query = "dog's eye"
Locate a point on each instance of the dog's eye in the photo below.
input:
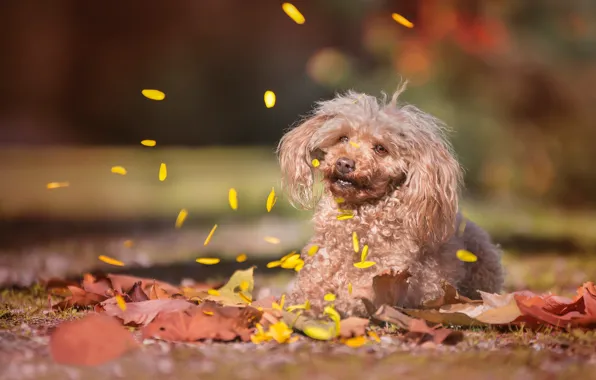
(380, 149)
(344, 139)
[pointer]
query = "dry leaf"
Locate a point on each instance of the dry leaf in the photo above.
(450, 296)
(136, 294)
(353, 326)
(231, 293)
(123, 284)
(92, 340)
(418, 329)
(390, 289)
(79, 298)
(142, 313)
(157, 293)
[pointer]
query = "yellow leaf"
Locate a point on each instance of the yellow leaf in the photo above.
(364, 253)
(163, 172)
(466, 256)
(345, 216)
(56, 185)
(153, 94)
(213, 292)
(241, 258)
(350, 288)
(316, 163)
(374, 336)
(269, 99)
(273, 264)
(208, 260)
(118, 170)
(293, 13)
(181, 218)
(364, 264)
(329, 297)
(356, 341)
(319, 333)
(313, 250)
(149, 143)
(402, 20)
(271, 199)
(121, 303)
(111, 261)
(208, 239)
(271, 240)
(355, 242)
(233, 199)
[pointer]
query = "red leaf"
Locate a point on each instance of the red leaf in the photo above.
(123, 284)
(93, 340)
(79, 298)
(142, 313)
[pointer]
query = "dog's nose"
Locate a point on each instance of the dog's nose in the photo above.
(345, 166)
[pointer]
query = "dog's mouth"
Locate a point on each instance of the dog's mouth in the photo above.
(345, 183)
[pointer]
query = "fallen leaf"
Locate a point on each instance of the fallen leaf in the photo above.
(157, 293)
(136, 294)
(142, 313)
(124, 283)
(312, 327)
(231, 293)
(390, 288)
(93, 340)
(388, 314)
(79, 298)
(450, 296)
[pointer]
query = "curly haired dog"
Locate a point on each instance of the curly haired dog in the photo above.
(389, 166)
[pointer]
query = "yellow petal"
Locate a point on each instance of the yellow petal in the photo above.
(181, 218)
(121, 303)
(313, 250)
(294, 13)
(163, 172)
(291, 262)
(287, 256)
(364, 264)
(402, 20)
(466, 256)
(332, 313)
(299, 266)
(273, 264)
(241, 258)
(118, 170)
(282, 300)
(213, 292)
(339, 200)
(356, 341)
(233, 199)
(56, 185)
(271, 240)
(374, 336)
(207, 312)
(345, 216)
(271, 200)
(350, 288)
(210, 235)
(269, 99)
(329, 297)
(364, 253)
(319, 333)
(280, 332)
(153, 94)
(111, 261)
(354, 144)
(316, 163)
(148, 143)
(355, 242)
(208, 260)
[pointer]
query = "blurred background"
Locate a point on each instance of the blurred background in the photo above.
(514, 79)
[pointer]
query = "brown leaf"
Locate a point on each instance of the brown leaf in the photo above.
(157, 293)
(206, 321)
(142, 313)
(388, 314)
(136, 294)
(353, 326)
(79, 298)
(449, 297)
(418, 329)
(92, 340)
(101, 286)
(390, 289)
(123, 284)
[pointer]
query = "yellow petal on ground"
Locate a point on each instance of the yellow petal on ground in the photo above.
(271, 240)
(241, 258)
(299, 266)
(56, 185)
(316, 163)
(345, 216)
(273, 264)
(269, 98)
(210, 235)
(111, 261)
(355, 242)
(319, 333)
(244, 285)
(364, 264)
(207, 312)
(356, 341)
(313, 250)
(163, 172)
(118, 170)
(121, 303)
(208, 260)
(128, 243)
(466, 256)
(354, 144)
(293, 13)
(153, 94)
(213, 292)
(280, 332)
(350, 288)
(364, 253)
(149, 143)
(374, 336)
(271, 199)
(233, 198)
(181, 218)
(329, 297)
(402, 20)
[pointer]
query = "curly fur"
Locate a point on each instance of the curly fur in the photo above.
(404, 199)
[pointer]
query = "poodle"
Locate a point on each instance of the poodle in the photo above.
(382, 175)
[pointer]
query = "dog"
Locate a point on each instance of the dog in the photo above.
(381, 174)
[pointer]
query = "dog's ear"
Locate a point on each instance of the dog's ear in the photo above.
(431, 192)
(295, 158)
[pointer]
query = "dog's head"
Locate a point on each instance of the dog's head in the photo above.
(367, 150)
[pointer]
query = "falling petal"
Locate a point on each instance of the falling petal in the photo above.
(316, 163)
(241, 258)
(294, 13)
(118, 170)
(56, 185)
(364, 264)
(111, 261)
(329, 297)
(207, 312)
(339, 200)
(121, 303)
(364, 253)
(345, 216)
(402, 20)
(153, 94)
(273, 264)
(269, 99)
(350, 288)
(313, 250)
(271, 240)
(208, 260)
(181, 218)
(466, 256)
(354, 144)
(355, 242)
(356, 341)
(282, 301)
(149, 143)
(233, 199)
(163, 172)
(210, 235)
(271, 199)
(299, 266)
